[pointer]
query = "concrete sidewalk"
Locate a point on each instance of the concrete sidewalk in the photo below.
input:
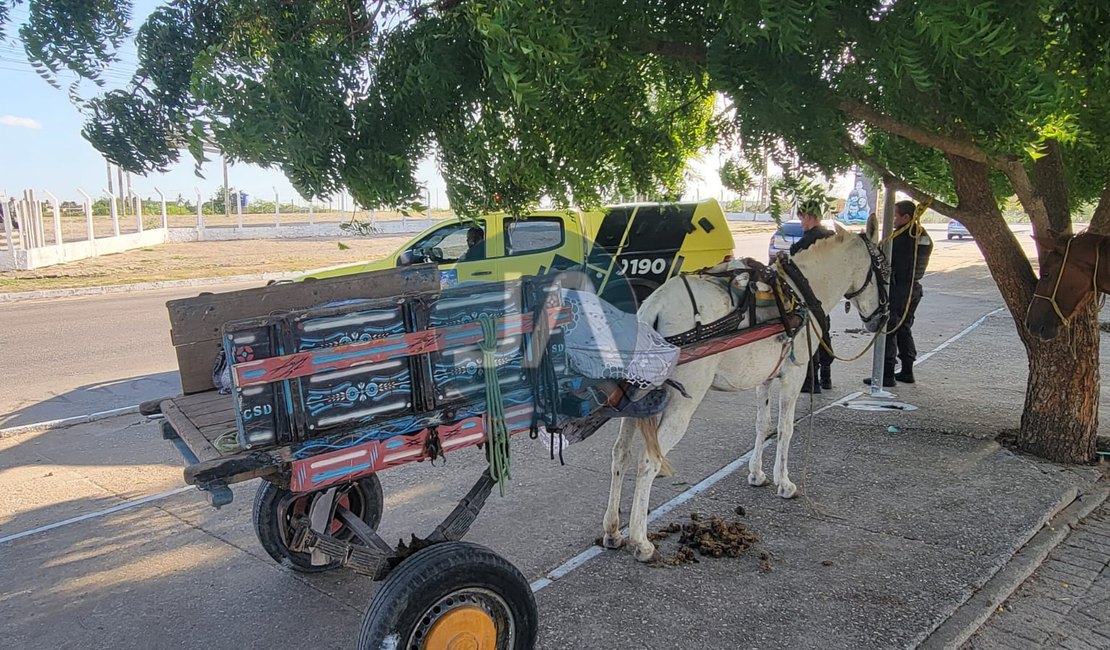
(1065, 603)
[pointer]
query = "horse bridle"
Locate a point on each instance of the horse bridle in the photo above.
(1063, 264)
(880, 268)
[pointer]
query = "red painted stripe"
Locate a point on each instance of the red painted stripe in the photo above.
(301, 478)
(703, 349)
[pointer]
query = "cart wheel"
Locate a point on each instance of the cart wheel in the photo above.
(275, 508)
(450, 596)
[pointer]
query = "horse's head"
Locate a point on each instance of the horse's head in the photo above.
(868, 275)
(1068, 275)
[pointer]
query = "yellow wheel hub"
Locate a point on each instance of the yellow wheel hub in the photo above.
(464, 628)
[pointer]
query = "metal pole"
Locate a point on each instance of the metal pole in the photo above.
(119, 188)
(878, 361)
(311, 216)
(138, 207)
(277, 208)
(57, 217)
(227, 193)
(200, 215)
(162, 200)
(9, 214)
(239, 208)
(88, 214)
(34, 217)
(115, 215)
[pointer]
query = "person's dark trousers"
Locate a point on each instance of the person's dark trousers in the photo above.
(900, 344)
(819, 372)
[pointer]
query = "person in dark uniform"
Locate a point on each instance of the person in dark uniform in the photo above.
(909, 257)
(476, 245)
(812, 230)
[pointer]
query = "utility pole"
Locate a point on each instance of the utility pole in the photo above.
(227, 193)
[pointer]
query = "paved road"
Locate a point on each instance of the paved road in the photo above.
(75, 356)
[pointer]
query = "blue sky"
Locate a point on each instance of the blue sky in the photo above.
(41, 147)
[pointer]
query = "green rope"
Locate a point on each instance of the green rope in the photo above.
(497, 434)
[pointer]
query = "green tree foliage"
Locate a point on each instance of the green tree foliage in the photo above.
(968, 101)
(735, 176)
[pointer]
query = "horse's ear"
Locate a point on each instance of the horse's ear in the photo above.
(872, 228)
(1048, 240)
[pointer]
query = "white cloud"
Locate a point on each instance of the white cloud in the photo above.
(21, 122)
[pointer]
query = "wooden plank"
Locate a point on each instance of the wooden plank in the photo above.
(214, 419)
(192, 403)
(194, 364)
(201, 318)
(188, 433)
(212, 433)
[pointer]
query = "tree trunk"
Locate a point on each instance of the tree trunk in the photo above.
(1060, 418)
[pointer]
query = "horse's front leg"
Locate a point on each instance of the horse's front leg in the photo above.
(763, 428)
(792, 380)
(622, 453)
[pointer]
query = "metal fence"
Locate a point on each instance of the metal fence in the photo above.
(39, 230)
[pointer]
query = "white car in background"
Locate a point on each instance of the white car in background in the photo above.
(957, 230)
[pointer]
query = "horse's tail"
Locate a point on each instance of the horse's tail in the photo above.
(649, 427)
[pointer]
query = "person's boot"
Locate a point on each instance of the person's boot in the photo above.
(809, 385)
(888, 378)
(826, 377)
(906, 375)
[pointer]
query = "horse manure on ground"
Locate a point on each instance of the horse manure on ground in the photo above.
(710, 537)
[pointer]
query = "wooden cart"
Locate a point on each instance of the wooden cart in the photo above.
(345, 377)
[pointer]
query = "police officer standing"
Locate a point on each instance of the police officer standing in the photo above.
(809, 213)
(909, 257)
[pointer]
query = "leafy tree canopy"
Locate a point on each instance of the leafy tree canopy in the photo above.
(580, 99)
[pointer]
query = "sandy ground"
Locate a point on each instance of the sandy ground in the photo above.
(191, 260)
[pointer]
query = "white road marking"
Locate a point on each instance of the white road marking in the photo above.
(92, 515)
(67, 422)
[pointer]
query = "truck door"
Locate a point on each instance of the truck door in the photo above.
(461, 254)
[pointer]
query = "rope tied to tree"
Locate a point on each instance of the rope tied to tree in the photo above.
(497, 432)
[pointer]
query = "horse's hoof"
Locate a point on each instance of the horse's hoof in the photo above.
(612, 542)
(757, 480)
(648, 556)
(787, 490)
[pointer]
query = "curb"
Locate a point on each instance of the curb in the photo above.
(44, 294)
(974, 612)
(66, 422)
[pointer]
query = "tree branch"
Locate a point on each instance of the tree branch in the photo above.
(946, 144)
(1023, 188)
(1100, 220)
(1008, 165)
(897, 183)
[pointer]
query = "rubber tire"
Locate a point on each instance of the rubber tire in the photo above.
(266, 526)
(950, 237)
(420, 581)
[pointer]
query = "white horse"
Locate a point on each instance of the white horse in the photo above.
(844, 264)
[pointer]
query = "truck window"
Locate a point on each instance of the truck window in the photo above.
(534, 235)
(444, 246)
